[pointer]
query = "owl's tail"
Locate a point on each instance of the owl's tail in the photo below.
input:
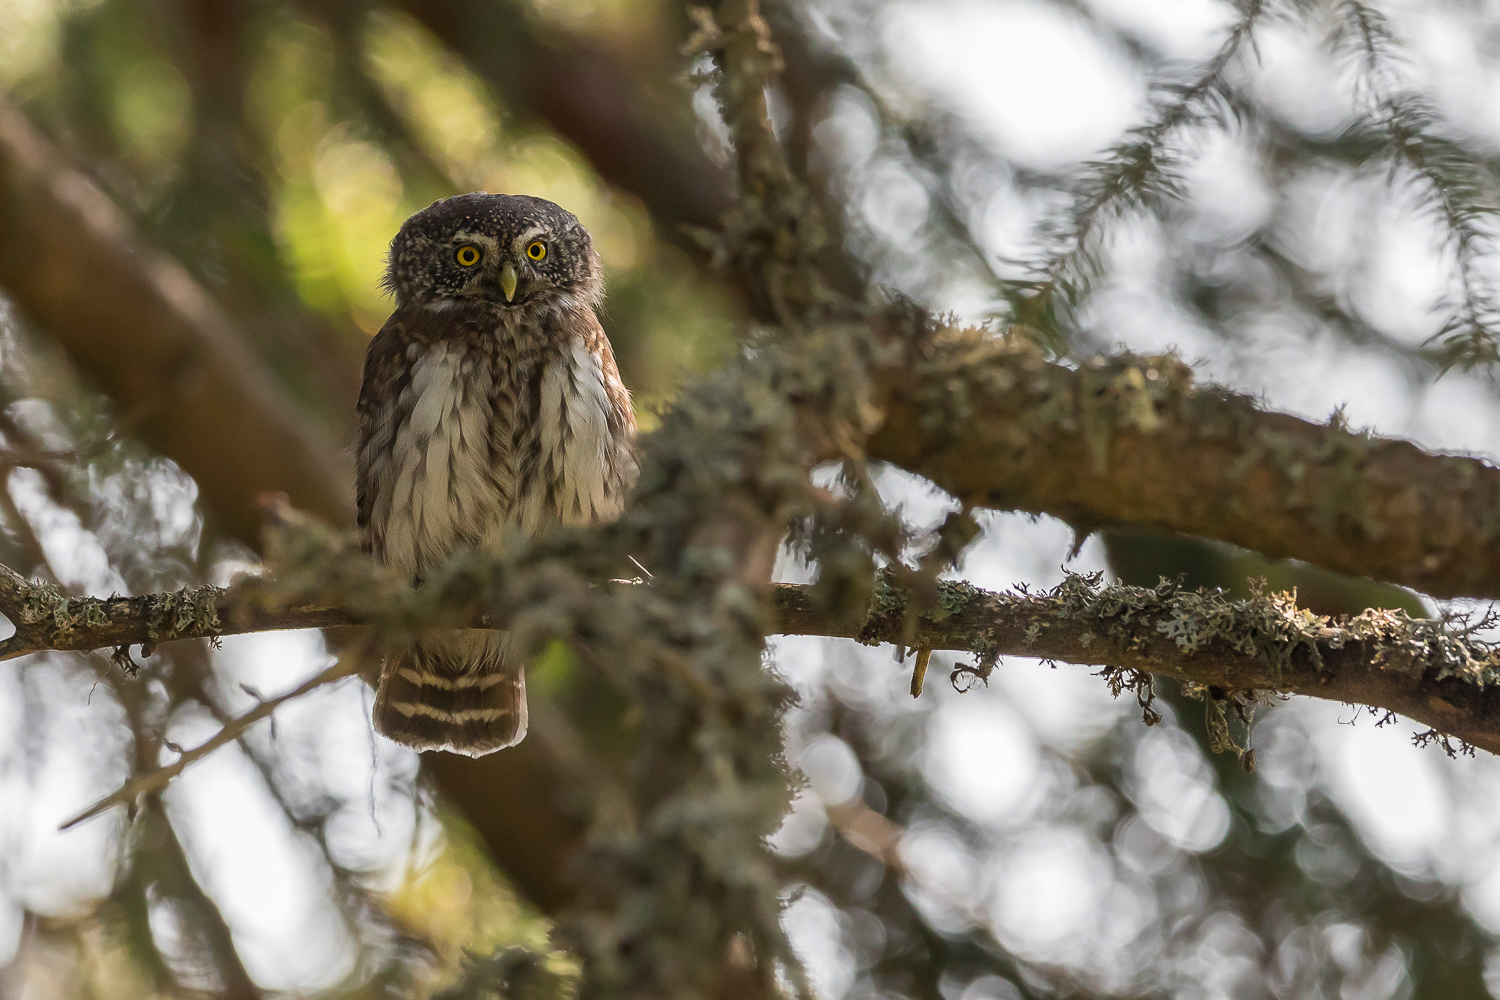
(451, 690)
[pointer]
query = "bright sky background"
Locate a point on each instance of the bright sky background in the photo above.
(1042, 86)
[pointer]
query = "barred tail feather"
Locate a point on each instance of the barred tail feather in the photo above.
(458, 691)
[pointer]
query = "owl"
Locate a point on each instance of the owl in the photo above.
(491, 408)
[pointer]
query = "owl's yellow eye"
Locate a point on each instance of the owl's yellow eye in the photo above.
(537, 251)
(467, 256)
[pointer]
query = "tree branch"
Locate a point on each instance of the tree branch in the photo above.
(1433, 671)
(1132, 440)
(152, 338)
(635, 135)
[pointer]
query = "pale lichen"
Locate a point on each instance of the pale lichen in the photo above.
(44, 604)
(953, 597)
(192, 611)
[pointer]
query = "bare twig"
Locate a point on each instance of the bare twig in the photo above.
(156, 780)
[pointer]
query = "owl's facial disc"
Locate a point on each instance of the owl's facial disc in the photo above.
(506, 271)
(511, 252)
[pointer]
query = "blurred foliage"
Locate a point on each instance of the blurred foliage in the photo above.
(337, 133)
(274, 147)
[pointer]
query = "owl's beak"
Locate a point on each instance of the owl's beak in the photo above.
(508, 281)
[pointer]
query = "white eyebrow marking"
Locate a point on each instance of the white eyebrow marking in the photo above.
(479, 239)
(529, 234)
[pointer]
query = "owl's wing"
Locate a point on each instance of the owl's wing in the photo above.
(619, 414)
(385, 378)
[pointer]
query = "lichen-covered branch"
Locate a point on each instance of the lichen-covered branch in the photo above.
(1124, 440)
(46, 619)
(1432, 671)
(1133, 440)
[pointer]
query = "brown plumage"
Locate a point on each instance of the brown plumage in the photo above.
(491, 406)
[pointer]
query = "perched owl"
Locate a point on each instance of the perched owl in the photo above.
(491, 407)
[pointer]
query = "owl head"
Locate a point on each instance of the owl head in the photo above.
(511, 251)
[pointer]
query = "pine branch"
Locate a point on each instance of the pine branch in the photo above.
(1139, 173)
(1454, 186)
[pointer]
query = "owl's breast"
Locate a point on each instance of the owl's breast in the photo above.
(488, 443)
(445, 488)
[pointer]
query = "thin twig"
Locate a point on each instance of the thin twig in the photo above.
(346, 666)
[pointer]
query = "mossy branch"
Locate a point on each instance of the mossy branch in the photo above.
(1430, 670)
(1134, 440)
